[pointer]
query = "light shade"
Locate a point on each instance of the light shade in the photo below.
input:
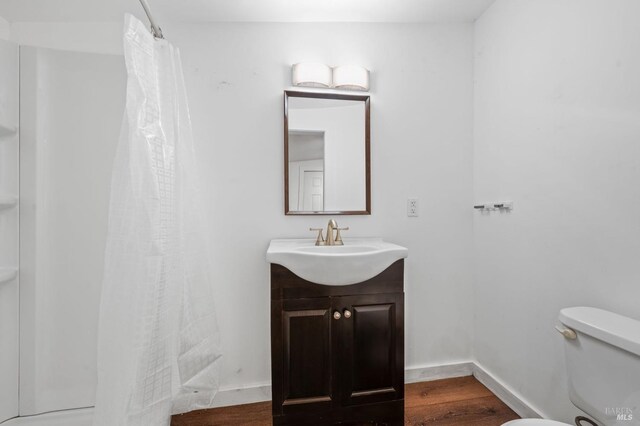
(311, 74)
(351, 77)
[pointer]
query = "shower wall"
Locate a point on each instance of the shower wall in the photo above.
(71, 110)
(8, 230)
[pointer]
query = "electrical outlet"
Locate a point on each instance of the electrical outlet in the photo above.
(412, 207)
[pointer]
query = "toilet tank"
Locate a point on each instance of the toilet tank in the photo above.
(603, 364)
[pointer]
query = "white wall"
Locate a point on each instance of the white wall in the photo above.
(5, 29)
(421, 126)
(557, 125)
(94, 37)
(421, 146)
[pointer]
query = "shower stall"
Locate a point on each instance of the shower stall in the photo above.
(60, 118)
(9, 218)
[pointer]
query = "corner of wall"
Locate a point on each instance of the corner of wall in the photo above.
(484, 12)
(5, 29)
(474, 284)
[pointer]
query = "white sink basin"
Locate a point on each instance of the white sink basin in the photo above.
(359, 259)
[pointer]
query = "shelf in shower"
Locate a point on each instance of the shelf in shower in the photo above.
(7, 201)
(7, 274)
(6, 130)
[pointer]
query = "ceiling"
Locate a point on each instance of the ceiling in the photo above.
(247, 10)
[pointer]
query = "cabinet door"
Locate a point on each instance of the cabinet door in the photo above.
(302, 355)
(371, 348)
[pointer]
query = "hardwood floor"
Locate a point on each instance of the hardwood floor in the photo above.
(461, 401)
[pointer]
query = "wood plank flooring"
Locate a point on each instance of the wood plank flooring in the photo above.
(461, 401)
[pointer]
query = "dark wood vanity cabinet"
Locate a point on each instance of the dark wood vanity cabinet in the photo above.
(337, 351)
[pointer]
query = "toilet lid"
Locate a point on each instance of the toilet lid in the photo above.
(535, 422)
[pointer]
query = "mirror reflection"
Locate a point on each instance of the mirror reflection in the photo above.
(327, 153)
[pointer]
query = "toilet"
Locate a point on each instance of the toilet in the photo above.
(602, 352)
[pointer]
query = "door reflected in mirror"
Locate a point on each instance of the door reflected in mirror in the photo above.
(327, 167)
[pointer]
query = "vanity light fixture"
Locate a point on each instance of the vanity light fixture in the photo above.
(351, 77)
(311, 74)
(345, 77)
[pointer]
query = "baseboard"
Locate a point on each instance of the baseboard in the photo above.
(245, 395)
(428, 373)
(511, 398)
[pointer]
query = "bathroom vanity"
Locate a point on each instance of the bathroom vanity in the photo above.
(337, 338)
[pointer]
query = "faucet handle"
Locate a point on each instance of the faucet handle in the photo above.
(320, 239)
(338, 240)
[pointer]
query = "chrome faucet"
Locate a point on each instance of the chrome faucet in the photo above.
(333, 234)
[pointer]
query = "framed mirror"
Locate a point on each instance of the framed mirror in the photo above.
(327, 164)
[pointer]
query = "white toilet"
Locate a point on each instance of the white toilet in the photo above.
(602, 352)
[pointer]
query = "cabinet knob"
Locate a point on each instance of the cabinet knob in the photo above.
(347, 313)
(337, 315)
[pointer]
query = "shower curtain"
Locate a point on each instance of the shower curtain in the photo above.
(158, 345)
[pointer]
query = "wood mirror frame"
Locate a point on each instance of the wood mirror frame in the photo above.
(367, 150)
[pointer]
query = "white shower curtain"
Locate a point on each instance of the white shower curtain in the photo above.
(158, 345)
